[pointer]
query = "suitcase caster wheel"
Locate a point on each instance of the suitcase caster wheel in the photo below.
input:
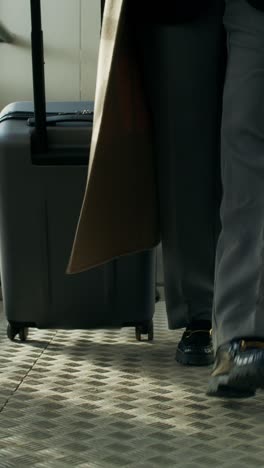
(157, 296)
(145, 329)
(151, 333)
(138, 333)
(13, 331)
(23, 334)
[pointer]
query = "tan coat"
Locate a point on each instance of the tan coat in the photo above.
(119, 214)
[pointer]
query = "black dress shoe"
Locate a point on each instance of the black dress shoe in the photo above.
(195, 347)
(239, 369)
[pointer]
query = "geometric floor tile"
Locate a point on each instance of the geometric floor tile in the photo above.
(100, 399)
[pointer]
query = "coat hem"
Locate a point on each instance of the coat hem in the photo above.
(85, 266)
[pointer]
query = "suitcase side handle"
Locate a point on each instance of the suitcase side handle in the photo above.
(53, 117)
(63, 118)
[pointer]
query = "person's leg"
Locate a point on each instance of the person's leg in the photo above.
(238, 319)
(183, 70)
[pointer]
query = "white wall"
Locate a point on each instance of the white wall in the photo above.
(71, 38)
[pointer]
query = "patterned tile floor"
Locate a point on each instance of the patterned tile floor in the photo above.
(102, 399)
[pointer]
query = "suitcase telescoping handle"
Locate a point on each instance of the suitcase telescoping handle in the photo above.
(102, 9)
(39, 135)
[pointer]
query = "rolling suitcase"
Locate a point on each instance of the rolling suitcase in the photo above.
(43, 167)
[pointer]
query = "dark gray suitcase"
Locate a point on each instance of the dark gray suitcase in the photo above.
(43, 168)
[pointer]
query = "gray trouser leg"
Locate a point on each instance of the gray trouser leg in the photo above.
(183, 72)
(239, 287)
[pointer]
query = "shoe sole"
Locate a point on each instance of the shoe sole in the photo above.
(242, 382)
(194, 359)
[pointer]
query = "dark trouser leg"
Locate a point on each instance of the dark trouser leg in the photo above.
(183, 72)
(239, 301)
